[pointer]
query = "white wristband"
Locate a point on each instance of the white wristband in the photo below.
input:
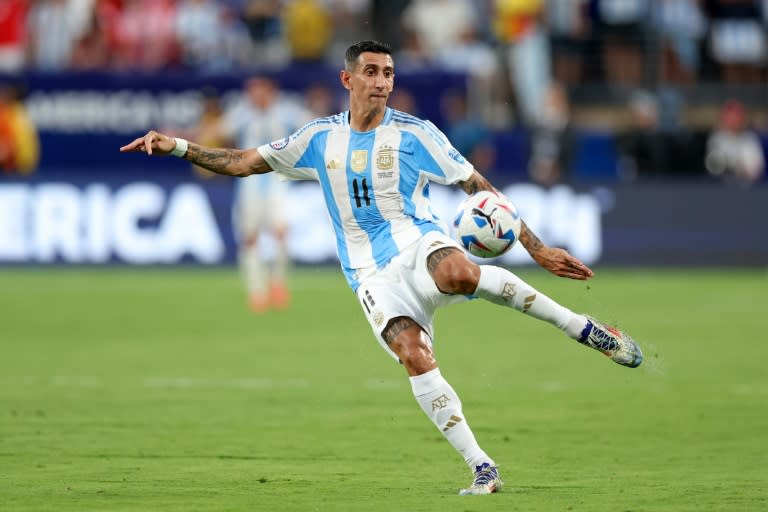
(181, 147)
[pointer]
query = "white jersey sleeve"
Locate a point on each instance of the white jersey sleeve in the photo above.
(298, 156)
(435, 154)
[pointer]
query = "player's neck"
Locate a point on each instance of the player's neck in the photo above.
(363, 120)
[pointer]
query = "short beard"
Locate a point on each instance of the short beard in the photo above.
(372, 113)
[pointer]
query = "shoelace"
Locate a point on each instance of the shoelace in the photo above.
(484, 474)
(603, 339)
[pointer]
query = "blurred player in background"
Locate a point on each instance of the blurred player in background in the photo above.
(374, 165)
(261, 204)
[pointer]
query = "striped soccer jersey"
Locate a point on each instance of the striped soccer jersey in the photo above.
(251, 126)
(375, 183)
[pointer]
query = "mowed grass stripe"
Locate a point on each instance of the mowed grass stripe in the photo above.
(124, 389)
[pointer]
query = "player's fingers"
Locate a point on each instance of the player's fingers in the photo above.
(132, 145)
(149, 139)
(573, 275)
(579, 266)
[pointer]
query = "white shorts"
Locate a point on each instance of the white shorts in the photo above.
(405, 288)
(259, 211)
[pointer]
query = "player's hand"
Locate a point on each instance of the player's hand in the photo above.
(561, 263)
(151, 143)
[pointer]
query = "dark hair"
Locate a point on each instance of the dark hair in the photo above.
(354, 51)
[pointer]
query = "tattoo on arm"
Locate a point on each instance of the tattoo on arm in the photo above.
(434, 259)
(231, 162)
(476, 183)
(395, 327)
(530, 241)
(218, 160)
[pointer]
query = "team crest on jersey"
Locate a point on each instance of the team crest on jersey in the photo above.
(359, 160)
(279, 144)
(385, 158)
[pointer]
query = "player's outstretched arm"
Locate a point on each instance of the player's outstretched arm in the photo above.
(556, 260)
(231, 162)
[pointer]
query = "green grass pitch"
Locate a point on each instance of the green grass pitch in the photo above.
(156, 390)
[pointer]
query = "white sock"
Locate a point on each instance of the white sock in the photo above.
(252, 269)
(502, 287)
(280, 265)
(441, 403)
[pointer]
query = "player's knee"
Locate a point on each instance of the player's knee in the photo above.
(415, 354)
(457, 276)
(411, 344)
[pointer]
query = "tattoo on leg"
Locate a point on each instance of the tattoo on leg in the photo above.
(395, 327)
(434, 259)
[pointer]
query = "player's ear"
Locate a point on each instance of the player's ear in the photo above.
(345, 77)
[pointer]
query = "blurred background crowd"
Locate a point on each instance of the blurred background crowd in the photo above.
(553, 90)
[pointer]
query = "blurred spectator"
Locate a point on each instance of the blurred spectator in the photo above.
(621, 29)
(262, 17)
(738, 39)
(263, 20)
(519, 27)
(144, 35)
(568, 27)
(552, 139)
(641, 149)
(439, 23)
(199, 30)
(349, 19)
(385, 19)
(412, 55)
(13, 34)
(91, 50)
(209, 131)
(19, 142)
(469, 55)
(212, 39)
(682, 26)
(54, 27)
(307, 30)
(734, 151)
(469, 134)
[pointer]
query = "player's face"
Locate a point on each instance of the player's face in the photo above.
(372, 80)
(261, 92)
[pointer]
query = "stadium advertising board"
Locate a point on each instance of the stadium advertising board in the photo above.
(150, 222)
(99, 111)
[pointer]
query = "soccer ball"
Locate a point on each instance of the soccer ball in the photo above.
(487, 224)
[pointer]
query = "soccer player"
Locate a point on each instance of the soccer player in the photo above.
(374, 165)
(264, 114)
